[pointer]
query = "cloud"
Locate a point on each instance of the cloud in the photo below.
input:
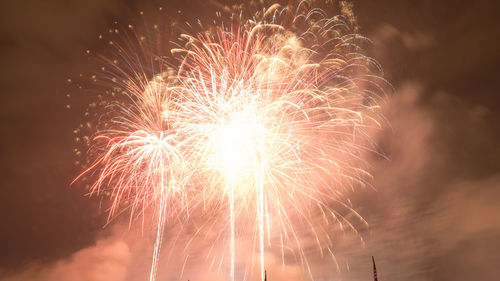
(108, 260)
(433, 216)
(414, 41)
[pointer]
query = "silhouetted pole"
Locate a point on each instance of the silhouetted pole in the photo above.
(265, 275)
(374, 270)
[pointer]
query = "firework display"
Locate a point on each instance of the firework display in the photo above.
(262, 121)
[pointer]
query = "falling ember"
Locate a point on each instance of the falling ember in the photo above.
(264, 120)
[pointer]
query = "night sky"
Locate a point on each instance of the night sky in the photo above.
(434, 214)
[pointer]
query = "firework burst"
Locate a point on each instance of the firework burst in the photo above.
(263, 120)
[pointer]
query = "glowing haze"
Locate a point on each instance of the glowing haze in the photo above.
(259, 122)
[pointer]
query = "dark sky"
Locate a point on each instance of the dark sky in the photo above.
(435, 215)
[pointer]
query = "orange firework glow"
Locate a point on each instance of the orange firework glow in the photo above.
(265, 119)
